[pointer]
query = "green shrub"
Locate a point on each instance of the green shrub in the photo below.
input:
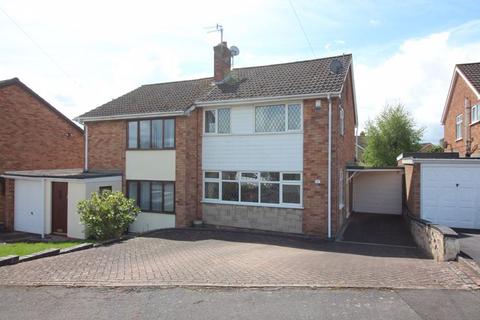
(107, 215)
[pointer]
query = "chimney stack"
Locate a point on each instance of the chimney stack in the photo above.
(222, 61)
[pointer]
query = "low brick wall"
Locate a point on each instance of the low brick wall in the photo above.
(251, 217)
(438, 242)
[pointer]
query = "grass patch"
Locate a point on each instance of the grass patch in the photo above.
(26, 248)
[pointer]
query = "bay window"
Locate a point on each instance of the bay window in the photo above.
(152, 196)
(154, 134)
(253, 187)
(278, 118)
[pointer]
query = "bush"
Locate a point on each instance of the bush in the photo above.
(107, 215)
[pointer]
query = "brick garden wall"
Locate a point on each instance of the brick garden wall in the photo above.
(412, 189)
(33, 136)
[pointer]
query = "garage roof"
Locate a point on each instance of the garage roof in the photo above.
(62, 173)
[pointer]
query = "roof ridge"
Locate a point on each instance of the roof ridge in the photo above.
(178, 81)
(293, 62)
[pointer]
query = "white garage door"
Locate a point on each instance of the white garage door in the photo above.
(28, 206)
(378, 192)
(450, 195)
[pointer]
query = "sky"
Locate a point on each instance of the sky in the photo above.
(81, 54)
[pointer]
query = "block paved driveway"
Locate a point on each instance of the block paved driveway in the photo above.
(224, 258)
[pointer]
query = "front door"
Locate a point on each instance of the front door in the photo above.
(59, 207)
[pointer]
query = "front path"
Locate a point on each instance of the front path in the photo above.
(221, 258)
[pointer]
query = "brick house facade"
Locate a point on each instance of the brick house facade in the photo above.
(33, 135)
(463, 97)
(108, 137)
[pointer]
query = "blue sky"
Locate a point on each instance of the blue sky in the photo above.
(85, 53)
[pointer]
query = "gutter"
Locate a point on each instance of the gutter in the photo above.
(130, 116)
(266, 99)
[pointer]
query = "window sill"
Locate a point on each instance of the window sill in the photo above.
(158, 212)
(459, 139)
(250, 204)
(474, 123)
(164, 149)
(251, 134)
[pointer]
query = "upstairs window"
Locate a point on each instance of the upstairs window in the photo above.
(154, 134)
(278, 118)
(475, 114)
(458, 126)
(217, 121)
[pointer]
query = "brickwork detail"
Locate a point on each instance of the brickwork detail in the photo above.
(412, 189)
(460, 91)
(250, 217)
(34, 137)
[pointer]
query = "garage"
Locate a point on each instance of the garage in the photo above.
(376, 190)
(45, 201)
(443, 189)
(450, 194)
(29, 206)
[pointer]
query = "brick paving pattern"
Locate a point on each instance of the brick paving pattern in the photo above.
(224, 258)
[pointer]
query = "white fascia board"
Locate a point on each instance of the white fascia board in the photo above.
(375, 170)
(60, 179)
(131, 116)
(265, 99)
(442, 161)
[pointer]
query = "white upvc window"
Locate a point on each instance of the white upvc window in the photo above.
(458, 126)
(265, 188)
(217, 121)
(342, 121)
(475, 114)
(278, 118)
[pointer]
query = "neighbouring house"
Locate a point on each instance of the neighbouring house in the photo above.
(442, 188)
(461, 114)
(33, 135)
(260, 147)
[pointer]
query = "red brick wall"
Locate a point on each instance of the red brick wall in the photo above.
(188, 184)
(412, 189)
(107, 142)
(315, 164)
(315, 160)
(107, 151)
(33, 136)
(9, 204)
(461, 90)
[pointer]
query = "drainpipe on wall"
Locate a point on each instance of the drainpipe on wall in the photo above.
(44, 181)
(329, 167)
(85, 169)
(466, 123)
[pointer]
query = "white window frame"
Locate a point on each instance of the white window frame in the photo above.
(458, 127)
(239, 180)
(215, 110)
(475, 111)
(285, 106)
(342, 121)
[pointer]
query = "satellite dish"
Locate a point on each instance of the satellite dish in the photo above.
(336, 66)
(234, 51)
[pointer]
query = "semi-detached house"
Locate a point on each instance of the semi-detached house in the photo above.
(260, 148)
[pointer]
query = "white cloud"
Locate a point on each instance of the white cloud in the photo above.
(374, 22)
(418, 75)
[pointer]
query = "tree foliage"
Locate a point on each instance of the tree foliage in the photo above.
(107, 215)
(393, 132)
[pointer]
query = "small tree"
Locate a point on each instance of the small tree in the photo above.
(107, 215)
(392, 133)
